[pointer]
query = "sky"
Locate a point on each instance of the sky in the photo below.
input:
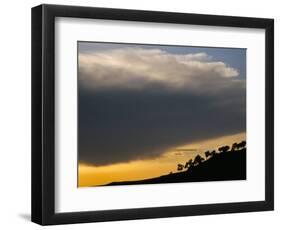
(138, 103)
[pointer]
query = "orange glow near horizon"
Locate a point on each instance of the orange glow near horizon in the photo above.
(148, 168)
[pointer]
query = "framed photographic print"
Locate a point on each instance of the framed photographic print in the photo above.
(142, 114)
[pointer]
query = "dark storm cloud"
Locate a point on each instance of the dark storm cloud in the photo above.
(168, 101)
(121, 126)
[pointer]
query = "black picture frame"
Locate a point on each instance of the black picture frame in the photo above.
(43, 114)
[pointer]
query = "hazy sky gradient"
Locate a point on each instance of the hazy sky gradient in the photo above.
(138, 101)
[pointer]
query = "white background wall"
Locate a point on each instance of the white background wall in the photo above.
(15, 113)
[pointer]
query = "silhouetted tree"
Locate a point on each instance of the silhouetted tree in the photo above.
(188, 164)
(180, 167)
(224, 149)
(241, 145)
(198, 160)
(234, 146)
(207, 153)
(213, 153)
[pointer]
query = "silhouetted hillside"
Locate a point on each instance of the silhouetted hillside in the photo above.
(229, 165)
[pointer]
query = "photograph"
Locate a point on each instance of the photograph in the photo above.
(155, 113)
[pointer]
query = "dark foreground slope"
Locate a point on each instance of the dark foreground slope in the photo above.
(226, 166)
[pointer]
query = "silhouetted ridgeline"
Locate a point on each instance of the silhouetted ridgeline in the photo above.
(228, 165)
